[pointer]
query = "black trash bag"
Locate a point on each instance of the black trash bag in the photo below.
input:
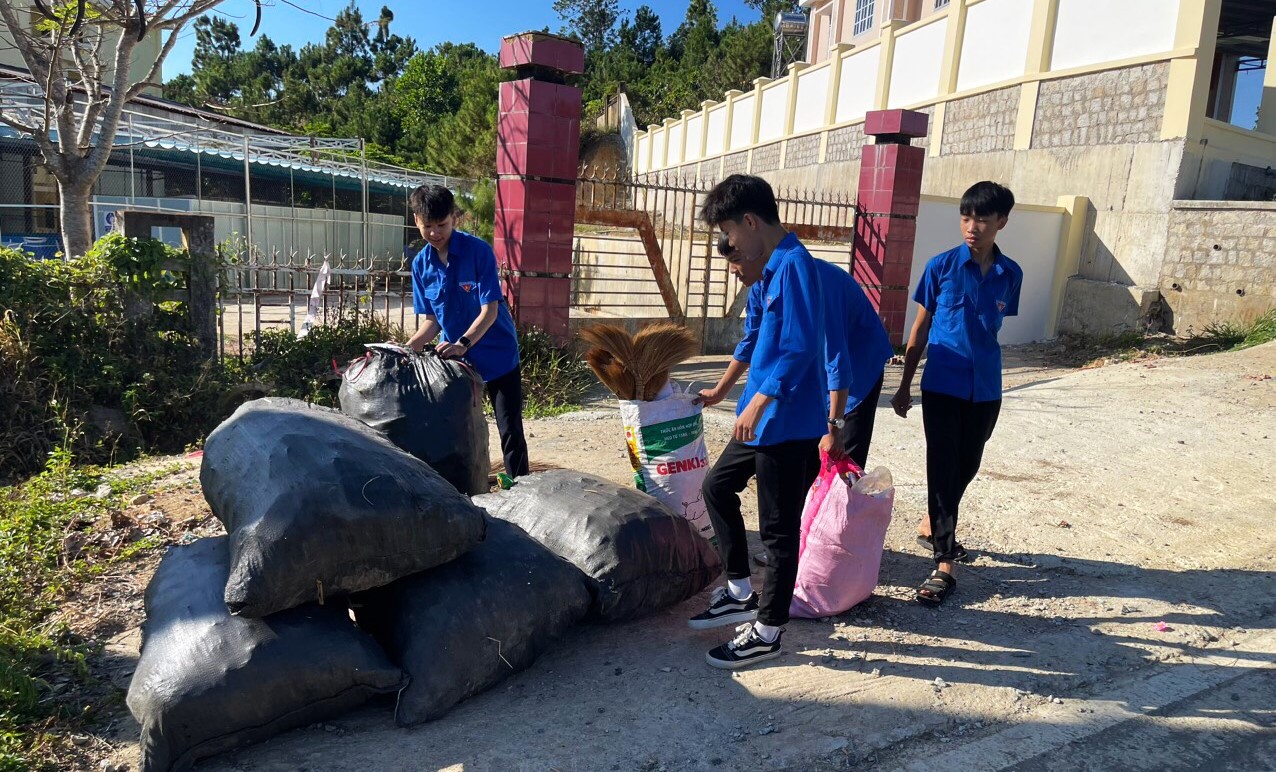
(462, 628)
(640, 556)
(430, 407)
(208, 682)
(318, 505)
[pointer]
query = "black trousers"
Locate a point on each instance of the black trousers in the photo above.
(956, 431)
(506, 393)
(785, 473)
(858, 432)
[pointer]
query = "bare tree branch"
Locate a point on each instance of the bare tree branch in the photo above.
(36, 64)
(97, 157)
(153, 76)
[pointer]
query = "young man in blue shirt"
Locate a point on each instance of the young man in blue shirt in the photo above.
(456, 289)
(779, 421)
(963, 296)
(856, 349)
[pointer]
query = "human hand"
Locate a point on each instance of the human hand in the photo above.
(710, 397)
(746, 425)
(447, 350)
(831, 445)
(902, 401)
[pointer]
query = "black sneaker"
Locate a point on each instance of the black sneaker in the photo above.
(745, 649)
(725, 610)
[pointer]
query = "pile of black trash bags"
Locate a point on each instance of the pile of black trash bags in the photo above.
(356, 563)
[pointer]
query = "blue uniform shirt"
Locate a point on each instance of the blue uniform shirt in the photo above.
(964, 357)
(857, 347)
(785, 347)
(455, 295)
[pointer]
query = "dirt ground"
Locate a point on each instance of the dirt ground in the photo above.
(1111, 499)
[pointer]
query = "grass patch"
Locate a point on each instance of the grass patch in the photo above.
(1231, 335)
(47, 549)
(555, 378)
(1089, 352)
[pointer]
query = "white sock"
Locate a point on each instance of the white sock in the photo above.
(767, 633)
(739, 589)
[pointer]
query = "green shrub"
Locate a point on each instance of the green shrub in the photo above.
(555, 378)
(285, 365)
(90, 360)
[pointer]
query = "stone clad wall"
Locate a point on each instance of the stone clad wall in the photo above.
(802, 151)
(1220, 263)
(736, 163)
(845, 144)
(767, 157)
(982, 123)
(1104, 108)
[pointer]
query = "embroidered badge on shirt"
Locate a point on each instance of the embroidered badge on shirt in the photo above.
(469, 286)
(1001, 305)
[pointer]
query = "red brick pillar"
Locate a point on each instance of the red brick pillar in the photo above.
(886, 208)
(537, 149)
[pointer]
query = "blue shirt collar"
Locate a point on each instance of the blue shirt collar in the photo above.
(998, 259)
(790, 241)
(432, 254)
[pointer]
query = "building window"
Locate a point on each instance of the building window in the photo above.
(863, 16)
(940, 4)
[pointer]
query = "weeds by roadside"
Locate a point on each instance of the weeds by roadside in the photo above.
(1090, 352)
(57, 530)
(555, 378)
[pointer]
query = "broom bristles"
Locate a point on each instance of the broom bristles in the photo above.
(611, 372)
(658, 347)
(637, 367)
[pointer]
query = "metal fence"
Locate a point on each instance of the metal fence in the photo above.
(627, 227)
(271, 193)
(612, 273)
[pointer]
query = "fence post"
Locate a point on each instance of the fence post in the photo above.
(201, 247)
(890, 190)
(537, 153)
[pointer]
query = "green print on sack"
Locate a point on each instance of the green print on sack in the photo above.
(662, 439)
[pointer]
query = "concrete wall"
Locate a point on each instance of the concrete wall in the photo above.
(1031, 238)
(1092, 31)
(1220, 263)
(1091, 98)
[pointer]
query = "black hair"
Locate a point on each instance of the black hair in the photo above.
(738, 195)
(432, 202)
(724, 246)
(985, 199)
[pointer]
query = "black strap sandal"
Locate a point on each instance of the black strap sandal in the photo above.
(928, 543)
(936, 588)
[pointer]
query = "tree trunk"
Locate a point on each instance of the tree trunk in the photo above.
(77, 219)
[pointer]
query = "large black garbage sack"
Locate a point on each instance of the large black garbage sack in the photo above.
(319, 505)
(462, 628)
(430, 407)
(208, 682)
(640, 556)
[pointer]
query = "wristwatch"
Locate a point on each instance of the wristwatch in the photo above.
(464, 341)
(837, 423)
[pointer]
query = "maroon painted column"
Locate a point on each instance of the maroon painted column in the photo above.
(537, 150)
(886, 223)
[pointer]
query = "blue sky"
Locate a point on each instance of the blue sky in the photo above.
(483, 22)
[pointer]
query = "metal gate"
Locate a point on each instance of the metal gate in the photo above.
(641, 251)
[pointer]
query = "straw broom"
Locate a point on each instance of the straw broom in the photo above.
(637, 367)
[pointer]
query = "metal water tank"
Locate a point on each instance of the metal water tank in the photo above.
(790, 23)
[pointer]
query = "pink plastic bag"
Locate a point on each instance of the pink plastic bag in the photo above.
(843, 532)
